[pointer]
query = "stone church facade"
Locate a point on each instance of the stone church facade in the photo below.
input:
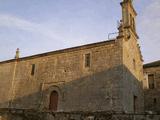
(103, 76)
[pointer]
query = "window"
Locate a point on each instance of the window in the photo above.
(134, 24)
(134, 64)
(154, 101)
(151, 81)
(130, 17)
(87, 60)
(135, 98)
(33, 69)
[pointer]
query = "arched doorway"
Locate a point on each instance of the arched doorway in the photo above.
(53, 101)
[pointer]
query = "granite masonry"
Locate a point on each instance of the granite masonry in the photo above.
(103, 76)
(152, 86)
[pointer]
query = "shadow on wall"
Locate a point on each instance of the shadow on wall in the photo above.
(151, 100)
(112, 89)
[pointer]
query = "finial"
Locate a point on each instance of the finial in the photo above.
(127, 0)
(17, 53)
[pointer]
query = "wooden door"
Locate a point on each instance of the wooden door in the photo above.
(53, 101)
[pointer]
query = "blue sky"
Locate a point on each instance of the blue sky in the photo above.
(37, 26)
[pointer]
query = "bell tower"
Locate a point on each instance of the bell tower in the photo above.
(128, 17)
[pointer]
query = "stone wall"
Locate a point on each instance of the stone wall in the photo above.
(80, 89)
(32, 115)
(152, 96)
(132, 74)
(110, 82)
(132, 60)
(7, 72)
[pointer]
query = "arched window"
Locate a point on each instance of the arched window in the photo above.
(53, 104)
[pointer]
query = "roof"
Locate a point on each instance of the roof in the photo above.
(82, 47)
(152, 64)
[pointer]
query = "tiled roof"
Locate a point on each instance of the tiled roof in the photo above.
(152, 64)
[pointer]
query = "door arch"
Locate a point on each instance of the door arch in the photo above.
(53, 104)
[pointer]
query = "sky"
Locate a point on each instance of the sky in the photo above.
(38, 26)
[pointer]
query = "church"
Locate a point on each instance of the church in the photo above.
(102, 76)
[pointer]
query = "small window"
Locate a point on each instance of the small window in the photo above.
(130, 19)
(134, 24)
(87, 60)
(135, 100)
(151, 81)
(154, 101)
(33, 69)
(134, 64)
